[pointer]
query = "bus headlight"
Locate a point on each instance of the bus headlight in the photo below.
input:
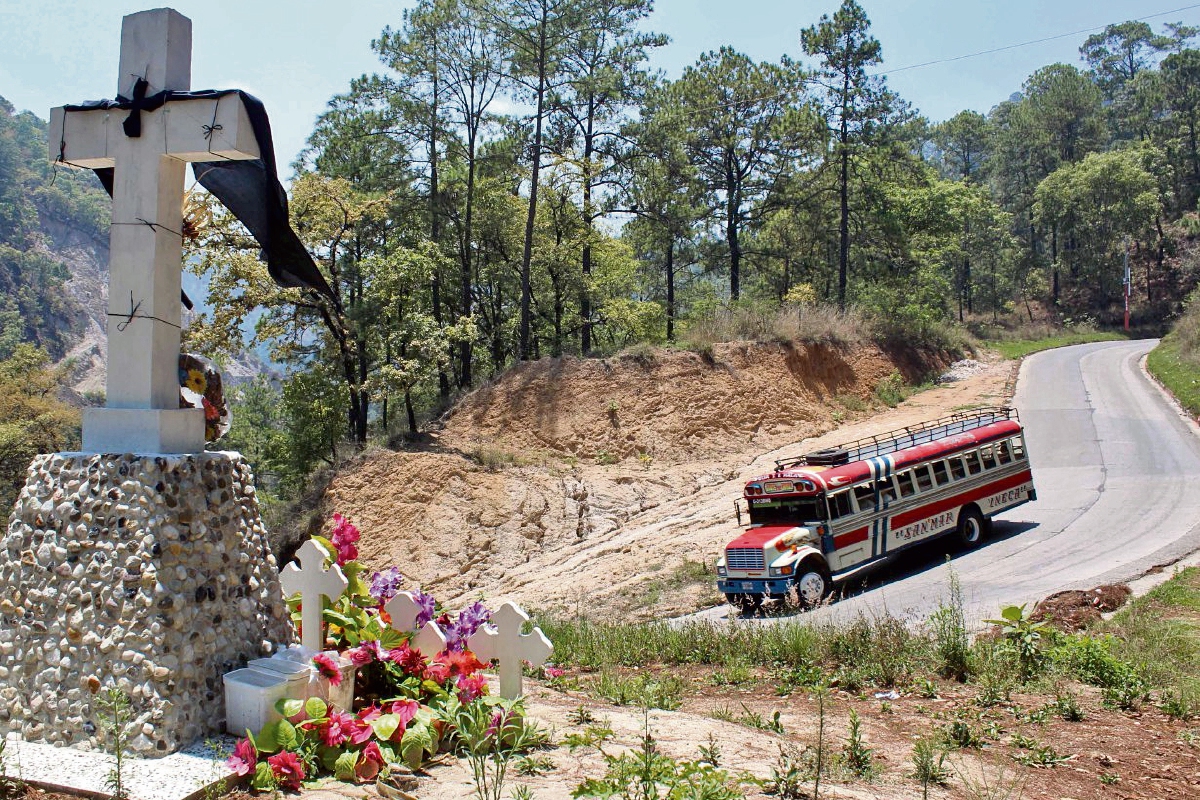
(781, 572)
(721, 568)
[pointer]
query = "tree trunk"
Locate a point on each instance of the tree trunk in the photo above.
(585, 294)
(464, 358)
(412, 414)
(435, 231)
(527, 253)
(671, 290)
(732, 203)
(844, 192)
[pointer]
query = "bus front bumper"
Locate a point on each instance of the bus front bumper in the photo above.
(775, 586)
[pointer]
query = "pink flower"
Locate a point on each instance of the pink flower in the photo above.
(497, 722)
(343, 538)
(358, 731)
(471, 687)
(555, 672)
(287, 769)
(406, 710)
(362, 655)
(335, 730)
(244, 758)
(369, 762)
(328, 668)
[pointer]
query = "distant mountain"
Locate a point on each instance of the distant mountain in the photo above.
(54, 258)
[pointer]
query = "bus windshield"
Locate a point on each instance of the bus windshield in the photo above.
(798, 511)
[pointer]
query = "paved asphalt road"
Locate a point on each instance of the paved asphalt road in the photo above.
(1117, 472)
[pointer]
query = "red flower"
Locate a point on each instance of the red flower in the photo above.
(471, 687)
(460, 662)
(409, 659)
(287, 769)
(335, 730)
(328, 668)
(244, 758)
(369, 762)
(437, 672)
(370, 712)
(555, 672)
(343, 538)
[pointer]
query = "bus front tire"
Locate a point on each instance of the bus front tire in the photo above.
(971, 527)
(812, 585)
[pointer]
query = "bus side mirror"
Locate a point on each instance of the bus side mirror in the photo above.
(737, 509)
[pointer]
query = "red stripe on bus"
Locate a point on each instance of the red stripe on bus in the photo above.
(932, 509)
(849, 538)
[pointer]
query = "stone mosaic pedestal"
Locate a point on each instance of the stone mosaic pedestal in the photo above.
(148, 573)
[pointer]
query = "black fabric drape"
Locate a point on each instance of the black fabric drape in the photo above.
(249, 189)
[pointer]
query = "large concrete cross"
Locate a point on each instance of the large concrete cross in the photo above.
(142, 413)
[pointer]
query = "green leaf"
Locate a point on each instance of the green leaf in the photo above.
(385, 726)
(315, 708)
(1013, 613)
(287, 735)
(289, 706)
(391, 638)
(328, 756)
(264, 777)
(417, 741)
(267, 740)
(343, 768)
(338, 618)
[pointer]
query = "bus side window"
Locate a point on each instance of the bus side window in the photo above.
(973, 465)
(839, 505)
(1004, 452)
(907, 486)
(956, 467)
(924, 481)
(939, 473)
(1018, 448)
(988, 454)
(887, 491)
(864, 493)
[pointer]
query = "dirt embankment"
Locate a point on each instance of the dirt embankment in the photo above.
(606, 486)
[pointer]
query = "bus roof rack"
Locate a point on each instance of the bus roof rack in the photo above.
(890, 442)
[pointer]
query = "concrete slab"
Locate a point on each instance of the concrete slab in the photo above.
(180, 776)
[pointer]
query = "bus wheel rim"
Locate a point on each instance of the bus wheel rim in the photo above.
(812, 587)
(973, 530)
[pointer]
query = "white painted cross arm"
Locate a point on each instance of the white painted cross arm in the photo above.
(312, 581)
(404, 610)
(503, 642)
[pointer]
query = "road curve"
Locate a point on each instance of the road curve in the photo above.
(1117, 471)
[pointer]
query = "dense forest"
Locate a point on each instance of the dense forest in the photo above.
(516, 182)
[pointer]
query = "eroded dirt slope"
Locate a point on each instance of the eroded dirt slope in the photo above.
(553, 525)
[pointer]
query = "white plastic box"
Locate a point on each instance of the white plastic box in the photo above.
(297, 674)
(250, 697)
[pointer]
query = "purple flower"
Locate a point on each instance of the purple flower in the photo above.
(471, 619)
(385, 585)
(427, 604)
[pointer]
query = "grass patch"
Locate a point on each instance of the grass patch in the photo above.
(1019, 348)
(1178, 370)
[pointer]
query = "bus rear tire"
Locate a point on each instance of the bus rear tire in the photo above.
(812, 585)
(971, 527)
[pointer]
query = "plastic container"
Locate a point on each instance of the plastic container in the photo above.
(295, 673)
(250, 697)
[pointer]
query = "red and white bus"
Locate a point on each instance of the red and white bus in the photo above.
(834, 514)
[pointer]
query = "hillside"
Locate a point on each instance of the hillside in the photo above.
(607, 485)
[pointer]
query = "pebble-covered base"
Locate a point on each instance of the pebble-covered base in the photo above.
(194, 772)
(150, 574)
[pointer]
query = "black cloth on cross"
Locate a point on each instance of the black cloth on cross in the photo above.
(250, 189)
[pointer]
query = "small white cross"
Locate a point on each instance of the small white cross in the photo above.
(404, 610)
(142, 413)
(312, 581)
(503, 641)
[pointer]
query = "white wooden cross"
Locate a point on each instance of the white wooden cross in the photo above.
(311, 580)
(404, 610)
(504, 642)
(142, 413)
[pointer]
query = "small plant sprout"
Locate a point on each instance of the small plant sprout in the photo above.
(115, 716)
(857, 756)
(929, 764)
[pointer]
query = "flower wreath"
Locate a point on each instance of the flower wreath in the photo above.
(200, 387)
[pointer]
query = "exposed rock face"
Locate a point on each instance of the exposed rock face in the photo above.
(148, 574)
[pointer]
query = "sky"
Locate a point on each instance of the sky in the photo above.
(295, 55)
